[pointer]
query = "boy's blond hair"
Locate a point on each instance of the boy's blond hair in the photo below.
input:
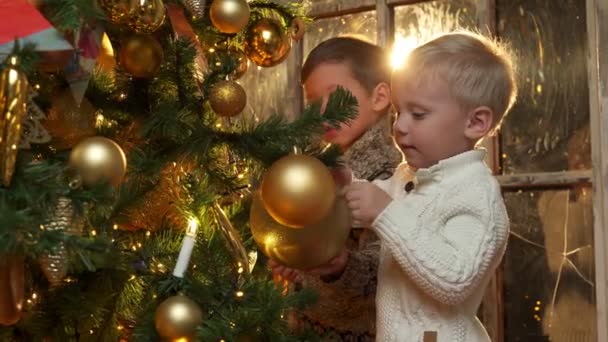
(479, 71)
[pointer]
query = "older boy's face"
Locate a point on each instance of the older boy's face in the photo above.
(323, 80)
(430, 124)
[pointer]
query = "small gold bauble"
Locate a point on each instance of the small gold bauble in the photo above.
(227, 98)
(217, 57)
(69, 122)
(141, 56)
(304, 248)
(266, 43)
(298, 190)
(241, 61)
(177, 317)
(116, 10)
(146, 16)
(229, 16)
(99, 159)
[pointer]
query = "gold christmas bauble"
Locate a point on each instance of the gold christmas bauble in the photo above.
(177, 317)
(310, 246)
(69, 122)
(116, 10)
(141, 55)
(146, 16)
(266, 43)
(99, 159)
(298, 190)
(227, 98)
(217, 57)
(229, 16)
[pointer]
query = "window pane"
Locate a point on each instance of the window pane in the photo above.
(549, 266)
(417, 23)
(548, 127)
(266, 90)
(361, 24)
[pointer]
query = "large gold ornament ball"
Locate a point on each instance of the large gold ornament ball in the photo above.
(146, 16)
(298, 190)
(99, 159)
(227, 98)
(310, 246)
(177, 318)
(229, 16)
(266, 43)
(141, 55)
(116, 10)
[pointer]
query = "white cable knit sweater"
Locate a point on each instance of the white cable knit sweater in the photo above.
(440, 246)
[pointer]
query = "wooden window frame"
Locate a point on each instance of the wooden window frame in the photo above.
(597, 35)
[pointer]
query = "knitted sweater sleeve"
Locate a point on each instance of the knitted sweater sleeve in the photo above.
(447, 247)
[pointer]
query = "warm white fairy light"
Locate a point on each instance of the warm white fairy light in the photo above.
(186, 251)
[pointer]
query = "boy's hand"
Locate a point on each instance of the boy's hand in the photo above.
(343, 176)
(366, 201)
(290, 274)
(333, 268)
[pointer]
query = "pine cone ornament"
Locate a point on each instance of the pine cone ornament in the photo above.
(54, 264)
(195, 7)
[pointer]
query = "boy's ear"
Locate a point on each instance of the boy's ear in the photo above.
(479, 123)
(381, 97)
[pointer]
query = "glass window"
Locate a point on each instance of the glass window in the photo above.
(549, 266)
(417, 23)
(549, 124)
(266, 90)
(361, 25)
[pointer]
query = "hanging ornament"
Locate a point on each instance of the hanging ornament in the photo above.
(298, 190)
(116, 10)
(80, 69)
(141, 55)
(266, 43)
(99, 159)
(234, 243)
(229, 16)
(304, 248)
(177, 318)
(217, 57)
(12, 288)
(32, 131)
(227, 98)
(195, 7)
(297, 29)
(13, 108)
(68, 122)
(54, 264)
(146, 16)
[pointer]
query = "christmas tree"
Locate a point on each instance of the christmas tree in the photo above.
(128, 171)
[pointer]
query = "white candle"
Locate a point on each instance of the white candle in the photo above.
(186, 251)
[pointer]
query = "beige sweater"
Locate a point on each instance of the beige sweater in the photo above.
(441, 244)
(346, 310)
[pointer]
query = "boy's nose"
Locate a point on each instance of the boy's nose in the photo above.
(401, 126)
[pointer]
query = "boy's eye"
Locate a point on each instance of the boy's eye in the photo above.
(418, 115)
